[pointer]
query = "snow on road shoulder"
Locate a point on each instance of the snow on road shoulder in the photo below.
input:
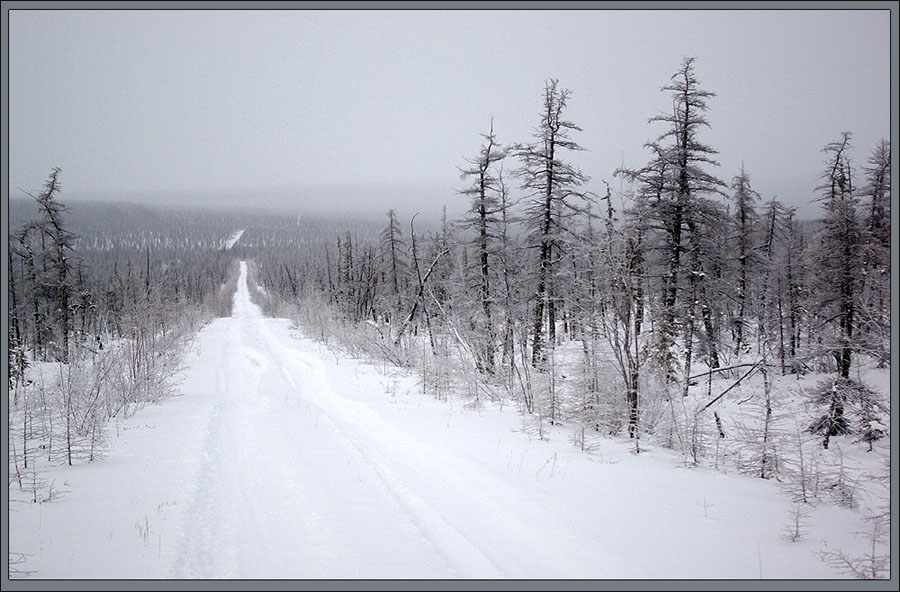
(603, 514)
(119, 517)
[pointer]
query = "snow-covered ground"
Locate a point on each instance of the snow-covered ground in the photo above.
(280, 460)
(233, 239)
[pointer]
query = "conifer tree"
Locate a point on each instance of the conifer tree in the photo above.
(482, 218)
(554, 192)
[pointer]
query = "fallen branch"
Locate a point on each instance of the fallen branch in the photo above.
(737, 382)
(419, 297)
(715, 370)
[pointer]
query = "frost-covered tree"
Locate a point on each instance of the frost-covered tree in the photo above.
(874, 313)
(623, 325)
(555, 194)
(482, 217)
(394, 262)
(838, 278)
(687, 157)
(743, 198)
(878, 192)
(795, 290)
(676, 191)
(839, 268)
(48, 244)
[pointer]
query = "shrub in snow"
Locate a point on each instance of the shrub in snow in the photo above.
(872, 431)
(875, 564)
(798, 522)
(838, 394)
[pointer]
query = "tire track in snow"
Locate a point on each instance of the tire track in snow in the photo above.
(402, 462)
(290, 469)
(256, 510)
(454, 546)
(239, 525)
(197, 558)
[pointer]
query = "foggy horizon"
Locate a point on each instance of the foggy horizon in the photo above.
(330, 201)
(185, 104)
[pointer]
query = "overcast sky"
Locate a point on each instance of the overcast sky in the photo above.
(205, 100)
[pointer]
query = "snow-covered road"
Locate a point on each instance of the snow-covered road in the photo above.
(280, 460)
(296, 480)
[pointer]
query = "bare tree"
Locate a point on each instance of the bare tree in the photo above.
(54, 278)
(687, 157)
(840, 240)
(875, 320)
(745, 218)
(485, 206)
(674, 185)
(554, 192)
(392, 246)
(838, 279)
(625, 264)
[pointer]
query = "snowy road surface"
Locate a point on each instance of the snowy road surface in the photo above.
(280, 460)
(297, 480)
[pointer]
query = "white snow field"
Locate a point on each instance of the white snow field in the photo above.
(233, 239)
(279, 460)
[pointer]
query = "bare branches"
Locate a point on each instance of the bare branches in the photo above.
(419, 297)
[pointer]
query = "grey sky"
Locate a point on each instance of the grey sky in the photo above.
(201, 100)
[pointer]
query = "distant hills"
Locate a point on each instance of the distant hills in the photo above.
(344, 199)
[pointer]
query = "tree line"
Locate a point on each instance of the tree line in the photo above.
(546, 291)
(99, 318)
